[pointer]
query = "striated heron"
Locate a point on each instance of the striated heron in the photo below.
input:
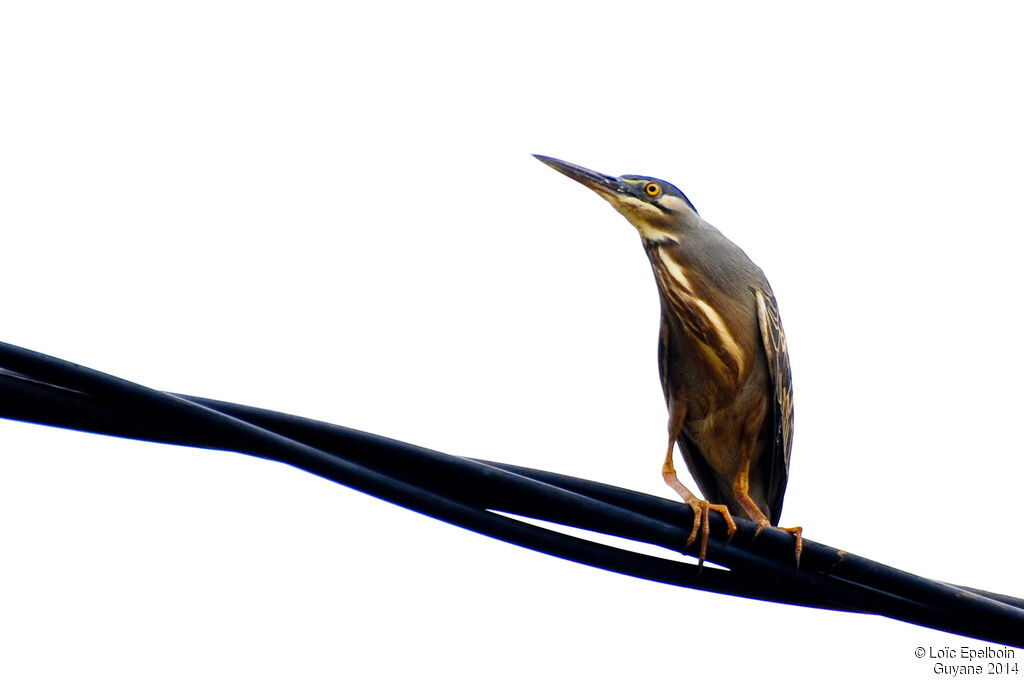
(722, 356)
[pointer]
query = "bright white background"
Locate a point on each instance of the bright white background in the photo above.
(332, 210)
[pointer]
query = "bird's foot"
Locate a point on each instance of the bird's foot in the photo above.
(701, 508)
(798, 532)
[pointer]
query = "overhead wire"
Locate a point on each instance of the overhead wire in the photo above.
(503, 501)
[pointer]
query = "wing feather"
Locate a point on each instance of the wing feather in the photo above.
(776, 460)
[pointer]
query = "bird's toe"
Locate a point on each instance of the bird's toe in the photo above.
(701, 510)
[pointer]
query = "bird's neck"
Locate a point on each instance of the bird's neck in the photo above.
(685, 300)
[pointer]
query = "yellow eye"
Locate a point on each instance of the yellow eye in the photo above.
(652, 189)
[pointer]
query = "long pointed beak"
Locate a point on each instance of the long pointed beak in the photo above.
(606, 185)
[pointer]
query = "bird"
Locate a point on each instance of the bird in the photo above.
(722, 357)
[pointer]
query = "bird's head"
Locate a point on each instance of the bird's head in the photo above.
(656, 208)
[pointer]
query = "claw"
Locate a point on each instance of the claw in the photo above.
(762, 524)
(798, 532)
(701, 508)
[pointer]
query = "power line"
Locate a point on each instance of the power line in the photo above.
(498, 500)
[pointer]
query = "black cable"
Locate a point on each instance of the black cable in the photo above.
(42, 389)
(72, 405)
(18, 398)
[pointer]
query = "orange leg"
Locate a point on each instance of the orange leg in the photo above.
(742, 489)
(701, 507)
